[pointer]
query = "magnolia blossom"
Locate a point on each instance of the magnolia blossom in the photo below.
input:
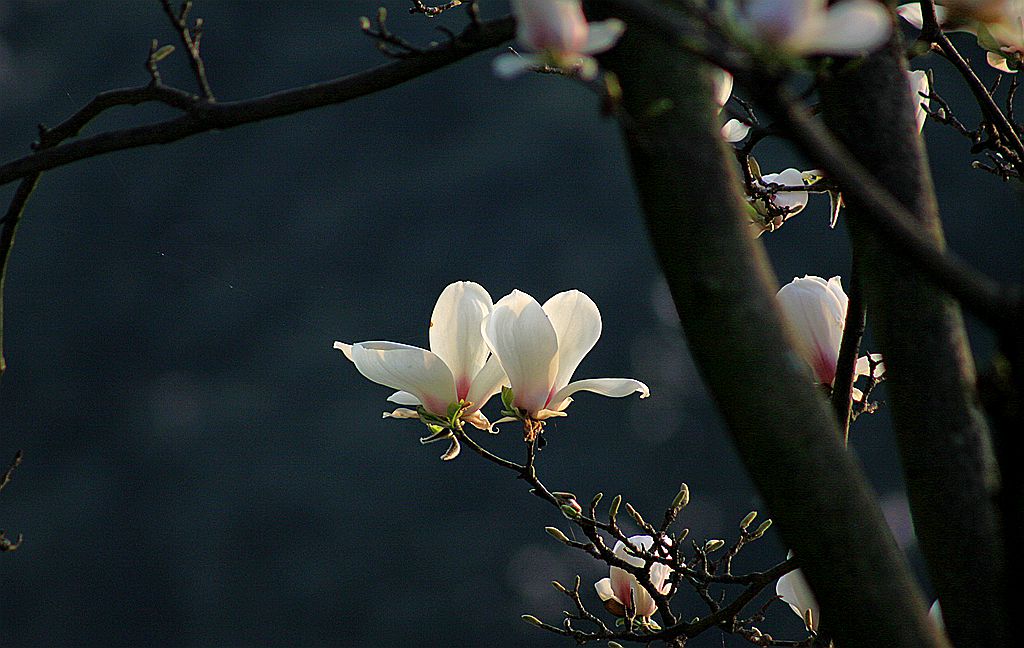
(795, 591)
(539, 348)
(621, 593)
(806, 27)
(734, 130)
(793, 202)
(455, 371)
(919, 91)
(997, 24)
(560, 35)
(816, 309)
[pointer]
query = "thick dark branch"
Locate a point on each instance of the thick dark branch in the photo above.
(8, 229)
(204, 116)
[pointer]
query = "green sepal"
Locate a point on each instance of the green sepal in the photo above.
(508, 397)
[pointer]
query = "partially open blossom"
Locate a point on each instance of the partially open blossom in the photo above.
(807, 27)
(621, 593)
(795, 591)
(816, 309)
(919, 92)
(559, 35)
(771, 209)
(540, 348)
(734, 130)
(456, 370)
(997, 24)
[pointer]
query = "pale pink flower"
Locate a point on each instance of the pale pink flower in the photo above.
(807, 27)
(622, 594)
(997, 24)
(558, 34)
(539, 348)
(456, 370)
(816, 309)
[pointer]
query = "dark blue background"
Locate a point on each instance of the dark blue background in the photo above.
(202, 469)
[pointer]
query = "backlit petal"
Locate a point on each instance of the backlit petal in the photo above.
(455, 335)
(344, 348)
(407, 368)
(486, 383)
(404, 398)
(519, 333)
(734, 130)
(795, 591)
(577, 324)
(402, 413)
(611, 387)
(604, 590)
(721, 82)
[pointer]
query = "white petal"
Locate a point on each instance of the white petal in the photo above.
(849, 28)
(510, 65)
(404, 398)
(603, 35)
(612, 387)
(935, 612)
(455, 331)
(999, 62)
(604, 590)
(721, 82)
(621, 582)
(344, 348)
(407, 368)
(734, 130)
(912, 14)
(519, 333)
(793, 589)
(863, 366)
(577, 324)
(794, 201)
(642, 601)
(918, 80)
(816, 310)
(486, 383)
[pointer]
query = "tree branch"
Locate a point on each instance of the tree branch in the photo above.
(849, 349)
(204, 116)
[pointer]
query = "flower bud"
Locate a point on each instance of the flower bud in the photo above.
(682, 497)
(532, 620)
(748, 520)
(759, 531)
(713, 545)
(557, 534)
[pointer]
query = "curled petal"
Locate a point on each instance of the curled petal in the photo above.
(1000, 63)
(604, 590)
(345, 349)
(734, 130)
(402, 413)
(611, 387)
(602, 36)
(519, 333)
(455, 331)
(577, 324)
(795, 591)
(479, 421)
(721, 82)
(407, 368)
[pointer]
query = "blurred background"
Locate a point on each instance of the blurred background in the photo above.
(203, 469)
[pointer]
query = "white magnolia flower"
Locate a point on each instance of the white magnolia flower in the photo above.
(734, 130)
(919, 92)
(456, 370)
(816, 309)
(795, 591)
(540, 347)
(559, 34)
(622, 594)
(806, 27)
(997, 24)
(793, 202)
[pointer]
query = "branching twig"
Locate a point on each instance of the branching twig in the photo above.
(190, 38)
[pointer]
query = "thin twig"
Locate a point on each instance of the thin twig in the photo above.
(190, 39)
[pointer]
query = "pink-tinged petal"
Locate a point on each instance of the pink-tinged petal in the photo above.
(816, 310)
(721, 83)
(622, 586)
(777, 21)
(602, 36)
(557, 25)
(519, 333)
(345, 349)
(407, 368)
(486, 383)
(849, 28)
(604, 590)
(455, 331)
(734, 131)
(611, 387)
(911, 12)
(510, 65)
(795, 591)
(577, 324)
(919, 91)
(402, 413)
(404, 398)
